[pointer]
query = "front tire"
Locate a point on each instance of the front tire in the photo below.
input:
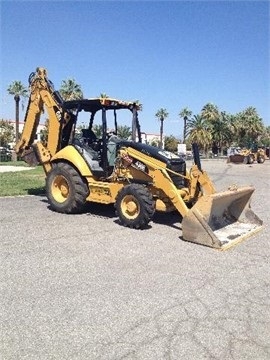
(251, 159)
(248, 159)
(135, 206)
(260, 159)
(245, 160)
(66, 189)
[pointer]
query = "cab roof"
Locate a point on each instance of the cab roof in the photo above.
(95, 104)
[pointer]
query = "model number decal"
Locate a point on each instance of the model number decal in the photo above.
(140, 166)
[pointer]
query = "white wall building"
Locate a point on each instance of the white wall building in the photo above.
(150, 138)
(21, 124)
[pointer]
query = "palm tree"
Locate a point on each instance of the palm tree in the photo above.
(253, 124)
(97, 130)
(265, 138)
(199, 131)
(232, 128)
(220, 130)
(185, 114)
(219, 125)
(19, 91)
(70, 90)
(123, 132)
(161, 114)
(170, 143)
(210, 112)
(249, 127)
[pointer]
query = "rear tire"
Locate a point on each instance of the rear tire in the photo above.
(135, 206)
(66, 189)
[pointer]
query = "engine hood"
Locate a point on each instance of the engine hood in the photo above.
(167, 157)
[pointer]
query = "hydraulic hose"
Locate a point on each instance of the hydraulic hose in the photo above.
(196, 155)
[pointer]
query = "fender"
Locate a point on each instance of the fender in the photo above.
(72, 155)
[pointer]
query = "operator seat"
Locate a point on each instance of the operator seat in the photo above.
(89, 136)
(90, 140)
(90, 149)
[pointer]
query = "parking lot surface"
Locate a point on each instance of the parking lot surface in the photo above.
(8, 168)
(83, 287)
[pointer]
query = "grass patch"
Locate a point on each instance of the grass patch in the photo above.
(28, 182)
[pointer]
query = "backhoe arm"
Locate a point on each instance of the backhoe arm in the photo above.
(42, 95)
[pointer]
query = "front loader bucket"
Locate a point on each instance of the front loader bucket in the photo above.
(222, 219)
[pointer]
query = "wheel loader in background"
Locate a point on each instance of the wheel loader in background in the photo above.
(137, 178)
(247, 156)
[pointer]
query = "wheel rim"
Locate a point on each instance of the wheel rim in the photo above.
(60, 189)
(130, 207)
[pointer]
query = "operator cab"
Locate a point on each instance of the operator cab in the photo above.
(97, 143)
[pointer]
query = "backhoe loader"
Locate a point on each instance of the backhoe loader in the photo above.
(137, 178)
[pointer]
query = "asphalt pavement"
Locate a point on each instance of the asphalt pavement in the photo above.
(10, 168)
(84, 287)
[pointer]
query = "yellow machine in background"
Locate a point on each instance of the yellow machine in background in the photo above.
(247, 156)
(137, 178)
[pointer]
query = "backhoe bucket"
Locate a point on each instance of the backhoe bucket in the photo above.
(222, 219)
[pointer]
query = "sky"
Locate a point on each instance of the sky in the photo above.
(166, 54)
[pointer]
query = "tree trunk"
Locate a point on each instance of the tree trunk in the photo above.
(17, 117)
(185, 129)
(161, 133)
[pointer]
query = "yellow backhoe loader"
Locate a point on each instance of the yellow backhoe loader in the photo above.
(137, 178)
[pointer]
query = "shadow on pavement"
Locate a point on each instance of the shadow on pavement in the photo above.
(172, 219)
(36, 191)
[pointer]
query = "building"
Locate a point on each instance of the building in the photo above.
(151, 138)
